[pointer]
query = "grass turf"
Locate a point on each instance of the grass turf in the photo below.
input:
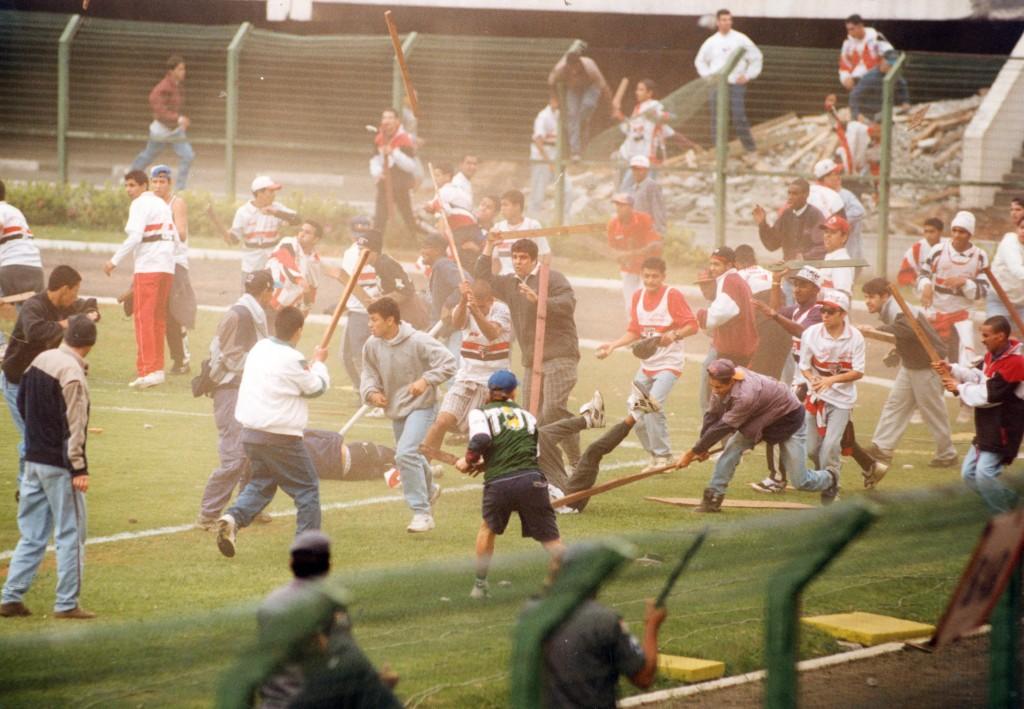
(174, 614)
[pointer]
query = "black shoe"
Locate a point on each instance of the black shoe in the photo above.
(14, 609)
(712, 501)
(831, 493)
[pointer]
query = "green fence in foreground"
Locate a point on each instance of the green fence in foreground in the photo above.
(451, 651)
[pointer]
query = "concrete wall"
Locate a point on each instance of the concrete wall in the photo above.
(994, 136)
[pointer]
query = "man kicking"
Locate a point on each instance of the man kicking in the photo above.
(503, 439)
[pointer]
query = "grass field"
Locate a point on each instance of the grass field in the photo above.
(174, 613)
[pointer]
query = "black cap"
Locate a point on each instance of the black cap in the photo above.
(81, 332)
(257, 282)
(724, 253)
(371, 239)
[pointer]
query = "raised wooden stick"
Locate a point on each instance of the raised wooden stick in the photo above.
(537, 370)
(553, 231)
(919, 332)
(620, 92)
(403, 67)
(343, 303)
(997, 286)
(358, 291)
(17, 297)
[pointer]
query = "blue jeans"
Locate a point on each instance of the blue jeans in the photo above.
(792, 455)
(738, 114)
(652, 429)
(981, 471)
(181, 148)
(286, 465)
(994, 306)
(413, 467)
(579, 106)
(49, 505)
(11, 397)
(357, 332)
(826, 451)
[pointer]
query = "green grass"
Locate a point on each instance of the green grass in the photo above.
(174, 614)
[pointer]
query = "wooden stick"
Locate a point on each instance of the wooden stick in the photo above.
(919, 333)
(358, 291)
(343, 303)
(537, 372)
(997, 286)
(447, 227)
(17, 297)
(400, 56)
(593, 228)
(873, 334)
(619, 93)
(796, 265)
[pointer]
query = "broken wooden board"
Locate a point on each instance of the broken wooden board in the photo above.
(735, 504)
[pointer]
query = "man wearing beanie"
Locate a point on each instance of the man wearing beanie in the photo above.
(54, 403)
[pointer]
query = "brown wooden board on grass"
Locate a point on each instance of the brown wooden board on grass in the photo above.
(736, 504)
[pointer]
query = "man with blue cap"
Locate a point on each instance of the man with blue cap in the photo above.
(503, 439)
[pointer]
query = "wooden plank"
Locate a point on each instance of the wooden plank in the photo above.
(807, 147)
(736, 504)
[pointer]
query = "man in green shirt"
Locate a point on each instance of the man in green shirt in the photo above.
(503, 444)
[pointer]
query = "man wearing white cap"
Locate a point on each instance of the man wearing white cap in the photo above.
(646, 192)
(951, 282)
(826, 199)
(257, 224)
(832, 357)
(831, 177)
(632, 236)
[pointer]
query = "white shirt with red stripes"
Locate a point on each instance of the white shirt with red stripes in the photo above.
(151, 236)
(294, 272)
(258, 232)
(17, 247)
(826, 355)
(482, 357)
(859, 56)
(503, 249)
(368, 278)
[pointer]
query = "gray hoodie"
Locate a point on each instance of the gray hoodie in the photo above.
(390, 366)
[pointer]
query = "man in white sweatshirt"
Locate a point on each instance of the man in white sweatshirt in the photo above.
(273, 412)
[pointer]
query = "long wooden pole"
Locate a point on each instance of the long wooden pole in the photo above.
(997, 286)
(554, 231)
(537, 371)
(919, 332)
(402, 66)
(343, 303)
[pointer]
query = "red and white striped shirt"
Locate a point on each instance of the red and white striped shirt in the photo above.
(826, 355)
(482, 357)
(16, 245)
(151, 235)
(258, 232)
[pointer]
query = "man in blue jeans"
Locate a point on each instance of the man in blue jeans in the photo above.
(53, 399)
(747, 408)
(585, 85)
(166, 100)
(402, 368)
(272, 408)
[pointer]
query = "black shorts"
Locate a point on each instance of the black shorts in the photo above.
(525, 492)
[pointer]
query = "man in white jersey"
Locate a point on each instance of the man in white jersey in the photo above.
(463, 178)
(646, 130)
(181, 302)
(657, 310)
(514, 220)
(862, 51)
(827, 200)
(543, 147)
(486, 325)
(151, 242)
(295, 266)
(837, 231)
(21, 267)
(257, 224)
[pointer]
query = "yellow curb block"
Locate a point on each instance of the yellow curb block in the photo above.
(869, 628)
(689, 669)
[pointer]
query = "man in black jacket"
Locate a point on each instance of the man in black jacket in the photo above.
(796, 230)
(561, 343)
(40, 326)
(915, 386)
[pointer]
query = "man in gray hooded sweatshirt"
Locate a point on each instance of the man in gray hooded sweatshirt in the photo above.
(402, 368)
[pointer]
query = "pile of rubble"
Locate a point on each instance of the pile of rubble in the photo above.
(927, 147)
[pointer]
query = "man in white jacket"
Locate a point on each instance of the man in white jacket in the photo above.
(1008, 268)
(273, 412)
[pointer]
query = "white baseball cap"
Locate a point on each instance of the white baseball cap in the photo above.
(834, 297)
(640, 161)
(825, 167)
(264, 182)
(964, 220)
(809, 274)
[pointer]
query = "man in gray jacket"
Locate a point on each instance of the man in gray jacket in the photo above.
(402, 368)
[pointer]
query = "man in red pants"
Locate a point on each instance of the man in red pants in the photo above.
(151, 237)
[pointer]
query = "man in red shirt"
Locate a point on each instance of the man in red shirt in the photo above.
(656, 310)
(167, 99)
(729, 319)
(632, 235)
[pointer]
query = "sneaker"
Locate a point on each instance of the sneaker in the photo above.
(76, 613)
(14, 609)
(944, 462)
(711, 502)
(877, 453)
(770, 486)
(593, 411)
(420, 523)
(135, 383)
(435, 492)
(179, 369)
(658, 461)
(831, 493)
(150, 380)
(481, 590)
(206, 523)
(227, 529)
(640, 401)
(874, 474)
(263, 518)
(916, 417)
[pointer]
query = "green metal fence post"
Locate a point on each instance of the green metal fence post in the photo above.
(397, 86)
(64, 93)
(885, 165)
(1004, 649)
(561, 150)
(722, 141)
(231, 110)
(782, 608)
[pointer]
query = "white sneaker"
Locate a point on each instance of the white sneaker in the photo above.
(481, 591)
(593, 411)
(150, 380)
(640, 401)
(420, 523)
(916, 417)
(135, 383)
(658, 461)
(435, 493)
(227, 530)
(769, 485)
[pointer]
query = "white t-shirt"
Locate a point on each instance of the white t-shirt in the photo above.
(482, 357)
(838, 278)
(826, 355)
(759, 279)
(503, 249)
(16, 245)
(645, 131)
(825, 200)
(258, 232)
(463, 183)
(545, 127)
(717, 49)
(151, 236)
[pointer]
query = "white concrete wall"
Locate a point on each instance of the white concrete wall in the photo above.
(994, 136)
